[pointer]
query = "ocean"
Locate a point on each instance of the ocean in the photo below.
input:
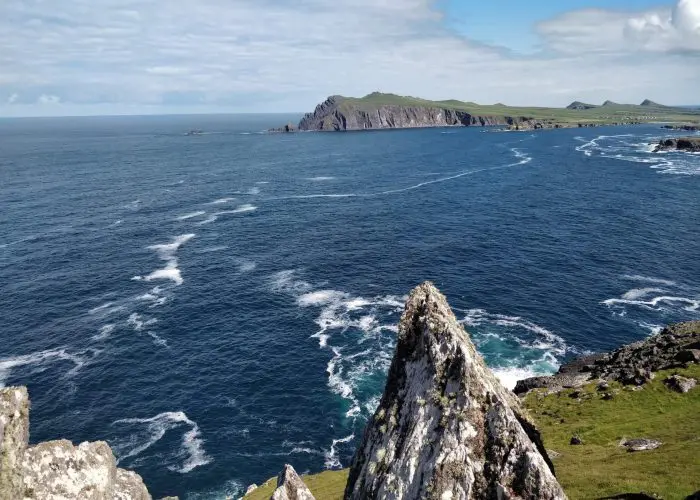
(217, 305)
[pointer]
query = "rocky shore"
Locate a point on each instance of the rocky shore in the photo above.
(689, 144)
(635, 364)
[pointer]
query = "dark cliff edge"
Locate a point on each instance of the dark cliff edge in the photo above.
(687, 144)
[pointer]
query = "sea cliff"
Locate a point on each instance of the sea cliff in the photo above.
(379, 111)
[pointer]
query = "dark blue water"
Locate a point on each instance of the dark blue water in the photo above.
(215, 306)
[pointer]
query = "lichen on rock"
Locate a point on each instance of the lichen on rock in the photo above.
(290, 486)
(446, 428)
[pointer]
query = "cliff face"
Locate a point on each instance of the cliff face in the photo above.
(446, 428)
(56, 470)
(336, 114)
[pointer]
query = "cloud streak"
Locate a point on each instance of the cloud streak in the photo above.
(260, 55)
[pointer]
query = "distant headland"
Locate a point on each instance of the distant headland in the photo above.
(390, 111)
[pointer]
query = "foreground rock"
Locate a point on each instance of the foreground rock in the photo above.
(640, 444)
(680, 384)
(56, 470)
(689, 144)
(290, 486)
(446, 428)
(676, 346)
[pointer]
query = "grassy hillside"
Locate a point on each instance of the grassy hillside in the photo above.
(610, 113)
(599, 467)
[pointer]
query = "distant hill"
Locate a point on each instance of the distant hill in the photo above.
(382, 111)
(647, 102)
(580, 105)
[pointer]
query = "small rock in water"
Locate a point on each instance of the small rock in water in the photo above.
(680, 384)
(640, 444)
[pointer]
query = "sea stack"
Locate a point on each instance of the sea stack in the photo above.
(446, 428)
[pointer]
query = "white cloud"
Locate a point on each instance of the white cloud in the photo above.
(657, 31)
(259, 55)
(48, 99)
(13, 98)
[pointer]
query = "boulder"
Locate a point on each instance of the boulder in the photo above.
(290, 486)
(680, 384)
(14, 436)
(640, 444)
(446, 428)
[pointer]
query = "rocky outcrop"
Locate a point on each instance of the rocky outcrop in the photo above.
(446, 428)
(56, 470)
(337, 113)
(676, 346)
(688, 128)
(689, 144)
(290, 486)
(14, 436)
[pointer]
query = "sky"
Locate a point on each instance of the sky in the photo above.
(104, 57)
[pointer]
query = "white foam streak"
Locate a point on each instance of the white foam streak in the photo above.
(39, 361)
(509, 376)
(167, 252)
(192, 447)
(648, 279)
(191, 215)
(331, 456)
(221, 201)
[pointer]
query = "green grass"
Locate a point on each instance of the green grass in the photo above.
(328, 485)
(599, 467)
(614, 113)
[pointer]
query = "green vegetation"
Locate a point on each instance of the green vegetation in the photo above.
(609, 113)
(328, 485)
(600, 467)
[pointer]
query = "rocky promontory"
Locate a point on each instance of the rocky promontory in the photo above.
(689, 144)
(56, 470)
(676, 346)
(446, 427)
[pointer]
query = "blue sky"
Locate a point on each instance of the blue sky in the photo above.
(77, 57)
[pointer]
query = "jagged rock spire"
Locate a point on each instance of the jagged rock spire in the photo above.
(446, 428)
(290, 486)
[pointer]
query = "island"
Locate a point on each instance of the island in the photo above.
(390, 111)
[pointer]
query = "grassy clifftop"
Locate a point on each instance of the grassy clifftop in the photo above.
(608, 113)
(599, 467)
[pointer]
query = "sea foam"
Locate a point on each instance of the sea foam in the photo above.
(148, 431)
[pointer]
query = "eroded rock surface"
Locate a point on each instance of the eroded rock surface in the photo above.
(676, 346)
(290, 486)
(446, 428)
(14, 435)
(56, 470)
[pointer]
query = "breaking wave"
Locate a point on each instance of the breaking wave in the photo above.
(639, 149)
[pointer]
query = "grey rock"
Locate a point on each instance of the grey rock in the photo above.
(14, 436)
(640, 444)
(251, 489)
(677, 346)
(680, 384)
(690, 144)
(55, 470)
(290, 486)
(129, 486)
(446, 428)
